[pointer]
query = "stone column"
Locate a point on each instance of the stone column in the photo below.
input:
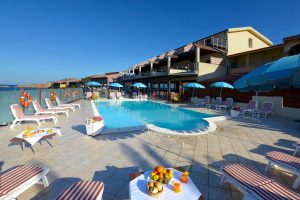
(169, 90)
(140, 70)
(169, 64)
(151, 68)
(197, 58)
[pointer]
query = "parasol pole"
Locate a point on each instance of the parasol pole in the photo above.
(221, 92)
(193, 93)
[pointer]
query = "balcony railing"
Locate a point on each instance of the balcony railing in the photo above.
(176, 69)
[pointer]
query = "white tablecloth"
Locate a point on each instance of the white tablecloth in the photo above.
(36, 137)
(138, 191)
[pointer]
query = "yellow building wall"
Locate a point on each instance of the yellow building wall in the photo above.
(239, 42)
(209, 71)
(254, 60)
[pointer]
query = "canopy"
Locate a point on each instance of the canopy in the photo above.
(221, 85)
(282, 73)
(194, 85)
(118, 85)
(139, 85)
(93, 83)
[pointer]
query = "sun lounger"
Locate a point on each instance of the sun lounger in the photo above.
(112, 95)
(215, 105)
(134, 95)
(205, 101)
(226, 104)
(40, 111)
(251, 107)
(119, 95)
(285, 161)
(21, 117)
(254, 185)
(60, 104)
(266, 109)
(88, 95)
(19, 179)
(297, 147)
(51, 106)
(92, 190)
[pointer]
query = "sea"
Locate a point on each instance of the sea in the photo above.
(10, 94)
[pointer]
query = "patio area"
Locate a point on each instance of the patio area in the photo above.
(111, 158)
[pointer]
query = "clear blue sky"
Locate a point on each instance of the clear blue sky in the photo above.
(42, 40)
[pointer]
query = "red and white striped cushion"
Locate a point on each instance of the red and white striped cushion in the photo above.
(15, 177)
(247, 177)
(274, 190)
(284, 158)
(87, 190)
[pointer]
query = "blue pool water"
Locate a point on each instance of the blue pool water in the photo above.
(120, 114)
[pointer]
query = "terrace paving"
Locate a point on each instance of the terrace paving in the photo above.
(110, 158)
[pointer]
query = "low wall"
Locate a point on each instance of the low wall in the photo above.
(278, 108)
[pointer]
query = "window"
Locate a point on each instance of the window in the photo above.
(250, 43)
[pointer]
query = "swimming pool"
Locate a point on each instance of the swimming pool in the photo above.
(121, 114)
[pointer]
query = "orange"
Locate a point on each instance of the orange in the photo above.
(159, 169)
(161, 175)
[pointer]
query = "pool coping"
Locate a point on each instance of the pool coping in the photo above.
(212, 126)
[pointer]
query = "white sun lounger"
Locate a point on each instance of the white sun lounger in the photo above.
(19, 179)
(205, 101)
(60, 104)
(251, 107)
(215, 105)
(225, 105)
(21, 117)
(297, 147)
(266, 109)
(119, 95)
(254, 185)
(83, 190)
(51, 106)
(40, 111)
(286, 161)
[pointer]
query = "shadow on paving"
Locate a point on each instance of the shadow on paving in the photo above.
(285, 143)
(262, 149)
(119, 136)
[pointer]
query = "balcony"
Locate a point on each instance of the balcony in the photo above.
(184, 68)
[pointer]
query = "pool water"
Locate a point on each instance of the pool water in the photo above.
(121, 114)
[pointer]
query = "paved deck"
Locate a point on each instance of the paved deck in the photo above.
(110, 158)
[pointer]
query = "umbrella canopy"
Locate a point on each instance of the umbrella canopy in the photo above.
(93, 83)
(139, 85)
(221, 85)
(118, 85)
(282, 73)
(194, 85)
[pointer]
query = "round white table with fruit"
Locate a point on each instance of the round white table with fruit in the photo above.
(164, 184)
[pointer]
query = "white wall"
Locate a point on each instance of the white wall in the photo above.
(278, 108)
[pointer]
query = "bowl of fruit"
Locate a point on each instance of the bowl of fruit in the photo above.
(162, 175)
(154, 188)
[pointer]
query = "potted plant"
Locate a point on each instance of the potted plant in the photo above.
(235, 111)
(94, 125)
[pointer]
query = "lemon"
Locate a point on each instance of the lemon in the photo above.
(155, 178)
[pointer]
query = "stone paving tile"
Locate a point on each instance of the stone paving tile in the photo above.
(110, 158)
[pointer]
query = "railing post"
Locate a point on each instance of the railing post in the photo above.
(40, 96)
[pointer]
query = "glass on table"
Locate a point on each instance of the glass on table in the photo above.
(176, 187)
(184, 177)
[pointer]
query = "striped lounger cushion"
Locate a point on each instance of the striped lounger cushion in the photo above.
(15, 177)
(87, 190)
(245, 176)
(284, 158)
(273, 191)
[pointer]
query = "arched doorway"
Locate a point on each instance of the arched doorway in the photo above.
(294, 50)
